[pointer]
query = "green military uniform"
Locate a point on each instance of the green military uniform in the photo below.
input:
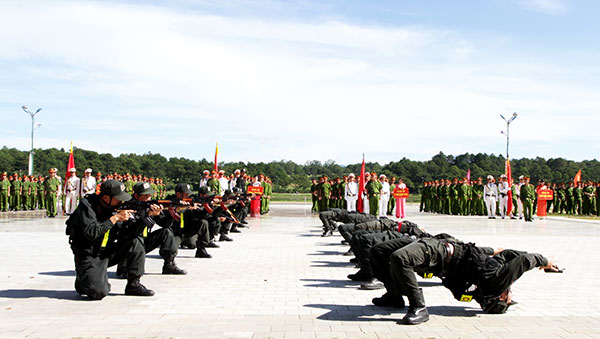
(392, 201)
(478, 206)
(314, 195)
(214, 185)
(462, 204)
(577, 200)
(25, 194)
(15, 193)
(560, 201)
(40, 195)
(325, 190)
(569, 199)
(453, 194)
(51, 187)
(423, 204)
(264, 203)
(589, 200)
(373, 188)
(4, 190)
(444, 199)
(129, 186)
(527, 197)
(155, 188)
(333, 200)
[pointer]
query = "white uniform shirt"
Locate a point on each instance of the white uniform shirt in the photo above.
(72, 185)
(204, 181)
(385, 190)
(88, 185)
(224, 185)
(351, 189)
(503, 188)
(490, 189)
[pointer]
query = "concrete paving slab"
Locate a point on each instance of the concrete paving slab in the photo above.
(279, 279)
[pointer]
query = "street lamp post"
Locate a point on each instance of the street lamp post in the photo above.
(33, 127)
(508, 121)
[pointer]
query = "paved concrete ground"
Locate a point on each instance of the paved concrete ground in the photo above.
(281, 279)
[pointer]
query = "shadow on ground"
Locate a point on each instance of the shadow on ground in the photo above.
(332, 264)
(331, 283)
(52, 294)
(373, 313)
(68, 273)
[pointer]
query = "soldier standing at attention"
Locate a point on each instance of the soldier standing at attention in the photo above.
(213, 183)
(313, 194)
(422, 205)
(384, 195)
(569, 198)
(365, 196)
(51, 191)
(25, 190)
(15, 190)
(88, 184)
(351, 193)
(490, 192)
(4, 193)
(325, 194)
(578, 198)
(71, 192)
(41, 198)
(503, 192)
(373, 189)
(392, 201)
(527, 196)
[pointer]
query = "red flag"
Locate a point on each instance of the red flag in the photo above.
(469, 174)
(577, 178)
(216, 153)
(361, 187)
(70, 164)
(509, 205)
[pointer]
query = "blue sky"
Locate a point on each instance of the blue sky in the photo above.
(303, 80)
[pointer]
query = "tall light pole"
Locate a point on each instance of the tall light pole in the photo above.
(33, 127)
(508, 121)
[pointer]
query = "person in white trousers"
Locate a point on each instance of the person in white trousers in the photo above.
(518, 192)
(71, 192)
(364, 197)
(503, 195)
(490, 192)
(351, 193)
(384, 197)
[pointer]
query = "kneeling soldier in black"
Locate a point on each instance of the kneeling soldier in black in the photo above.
(89, 229)
(162, 237)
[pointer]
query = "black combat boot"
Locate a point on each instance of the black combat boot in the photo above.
(201, 253)
(417, 312)
(170, 267)
(212, 244)
(224, 237)
(234, 228)
(389, 300)
(134, 287)
(361, 275)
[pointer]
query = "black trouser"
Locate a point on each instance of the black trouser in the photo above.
(380, 259)
(92, 278)
(424, 255)
(328, 217)
(162, 237)
(363, 241)
(195, 233)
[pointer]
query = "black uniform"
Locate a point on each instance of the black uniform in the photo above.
(189, 224)
(89, 229)
(382, 224)
(329, 218)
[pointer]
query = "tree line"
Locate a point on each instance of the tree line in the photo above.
(289, 177)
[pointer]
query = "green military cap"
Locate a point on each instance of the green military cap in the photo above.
(114, 189)
(182, 187)
(143, 188)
